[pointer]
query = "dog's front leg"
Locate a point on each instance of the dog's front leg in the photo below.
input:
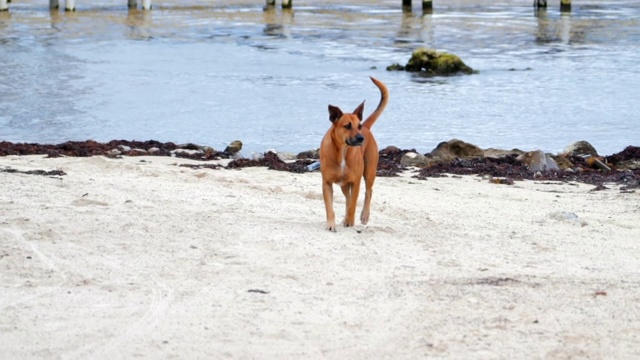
(346, 191)
(351, 196)
(327, 193)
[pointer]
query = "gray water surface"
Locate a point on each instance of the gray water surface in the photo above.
(210, 72)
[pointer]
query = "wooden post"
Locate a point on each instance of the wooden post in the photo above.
(287, 4)
(146, 4)
(565, 5)
(427, 6)
(538, 4)
(3, 5)
(70, 5)
(54, 4)
(565, 28)
(132, 4)
(406, 5)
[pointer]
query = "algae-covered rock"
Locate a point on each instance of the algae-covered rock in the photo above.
(234, 147)
(538, 161)
(432, 62)
(580, 148)
(454, 148)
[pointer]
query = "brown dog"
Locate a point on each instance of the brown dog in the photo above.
(347, 153)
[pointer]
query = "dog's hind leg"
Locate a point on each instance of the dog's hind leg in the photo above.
(366, 209)
(370, 169)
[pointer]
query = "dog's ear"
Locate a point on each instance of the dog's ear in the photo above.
(359, 110)
(334, 113)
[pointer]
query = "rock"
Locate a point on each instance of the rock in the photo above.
(597, 163)
(537, 161)
(124, 148)
(391, 149)
(563, 162)
(190, 146)
(186, 151)
(390, 161)
(579, 148)
(286, 156)
(154, 150)
(415, 159)
(396, 67)
(234, 147)
(449, 150)
(498, 153)
(629, 165)
(136, 152)
(310, 154)
(431, 62)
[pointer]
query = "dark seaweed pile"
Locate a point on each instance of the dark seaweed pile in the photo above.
(508, 167)
(628, 154)
(273, 162)
(84, 148)
(389, 165)
(94, 148)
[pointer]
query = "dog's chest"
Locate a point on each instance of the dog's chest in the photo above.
(346, 170)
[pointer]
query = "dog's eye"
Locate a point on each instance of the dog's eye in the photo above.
(348, 126)
(359, 126)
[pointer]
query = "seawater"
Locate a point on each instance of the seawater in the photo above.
(210, 72)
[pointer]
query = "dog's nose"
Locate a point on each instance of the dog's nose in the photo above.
(356, 140)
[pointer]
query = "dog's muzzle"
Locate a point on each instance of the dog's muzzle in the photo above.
(355, 141)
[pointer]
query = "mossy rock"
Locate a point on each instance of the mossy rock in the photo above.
(431, 62)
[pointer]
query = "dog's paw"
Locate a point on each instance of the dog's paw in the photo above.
(348, 222)
(364, 217)
(331, 227)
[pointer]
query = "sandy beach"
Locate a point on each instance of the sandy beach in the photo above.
(141, 258)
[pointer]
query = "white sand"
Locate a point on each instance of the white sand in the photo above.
(130, 259)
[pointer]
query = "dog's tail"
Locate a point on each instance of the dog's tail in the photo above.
(384, 98)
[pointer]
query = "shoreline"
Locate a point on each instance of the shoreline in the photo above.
(139, 256)
(579, 163)
(93, 147)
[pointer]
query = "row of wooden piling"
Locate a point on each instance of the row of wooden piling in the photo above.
(427, 5)
(565, 5)
(70, 5)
